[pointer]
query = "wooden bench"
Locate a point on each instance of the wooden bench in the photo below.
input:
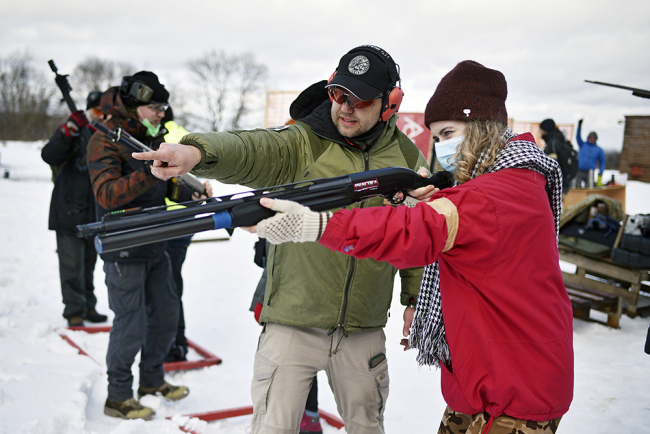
(608, 278)
(584, 299)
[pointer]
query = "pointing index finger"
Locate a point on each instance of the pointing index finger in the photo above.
(148, 155)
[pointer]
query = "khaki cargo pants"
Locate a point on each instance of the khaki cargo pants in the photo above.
(460, 423)
(289, 357)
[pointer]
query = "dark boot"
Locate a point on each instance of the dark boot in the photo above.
(178, 353)
(93, 316)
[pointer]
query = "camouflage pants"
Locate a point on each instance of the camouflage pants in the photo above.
(459, 423)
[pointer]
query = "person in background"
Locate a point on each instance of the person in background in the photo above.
(555, 143)
(322, 310)
(590, 156)
(174, 132)
(492, 313)
(177, 249)
(72, 204)
(139, 280)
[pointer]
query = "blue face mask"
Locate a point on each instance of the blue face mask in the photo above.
(445, 152)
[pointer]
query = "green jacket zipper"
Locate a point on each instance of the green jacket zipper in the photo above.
(353, 260)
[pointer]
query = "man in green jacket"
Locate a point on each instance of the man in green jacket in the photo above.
(322, 310)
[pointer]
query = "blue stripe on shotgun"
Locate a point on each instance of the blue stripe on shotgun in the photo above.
(222, 220)
(98, 245)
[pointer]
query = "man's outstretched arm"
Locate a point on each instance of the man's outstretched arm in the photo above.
(171, 159)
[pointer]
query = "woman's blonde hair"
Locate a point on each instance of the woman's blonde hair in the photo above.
(480, 136)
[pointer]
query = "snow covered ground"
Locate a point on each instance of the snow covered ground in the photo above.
(46, 387)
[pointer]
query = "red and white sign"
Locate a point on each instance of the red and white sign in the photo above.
(412, 124)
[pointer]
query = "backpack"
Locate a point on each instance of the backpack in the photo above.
(567, 156)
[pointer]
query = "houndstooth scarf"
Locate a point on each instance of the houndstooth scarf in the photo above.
(428, 328)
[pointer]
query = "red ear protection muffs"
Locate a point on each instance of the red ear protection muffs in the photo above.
(391, 102)
(328, 82)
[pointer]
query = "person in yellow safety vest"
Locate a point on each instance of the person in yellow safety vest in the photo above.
(177, 249)
(175, 132)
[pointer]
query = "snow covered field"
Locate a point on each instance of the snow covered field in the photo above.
(46, 387)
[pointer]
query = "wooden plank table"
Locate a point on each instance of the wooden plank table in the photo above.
(624, 282)
(614, 191)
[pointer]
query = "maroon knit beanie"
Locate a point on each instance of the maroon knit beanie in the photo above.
(468, 92)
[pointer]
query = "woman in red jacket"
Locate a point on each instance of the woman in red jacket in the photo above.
(493, 312)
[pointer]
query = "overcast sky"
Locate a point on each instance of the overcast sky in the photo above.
(545, 49)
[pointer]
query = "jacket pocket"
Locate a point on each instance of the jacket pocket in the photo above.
(262, 381)
(454, 394)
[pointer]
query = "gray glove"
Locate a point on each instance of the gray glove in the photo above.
(293, 222)
(410, 202)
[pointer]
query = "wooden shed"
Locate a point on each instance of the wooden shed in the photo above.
(635, 156)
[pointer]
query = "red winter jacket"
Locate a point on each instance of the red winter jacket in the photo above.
(508, 317)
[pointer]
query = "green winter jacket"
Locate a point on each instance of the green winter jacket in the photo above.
(309, 285)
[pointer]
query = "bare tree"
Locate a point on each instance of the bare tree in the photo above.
(179, 101)
(25, 99)
(226, 84)
(250, 76)
(94, 73)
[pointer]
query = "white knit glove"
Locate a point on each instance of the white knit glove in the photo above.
(293, 222)
(410, 202)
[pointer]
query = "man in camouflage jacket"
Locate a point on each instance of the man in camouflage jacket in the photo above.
(139, 279)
